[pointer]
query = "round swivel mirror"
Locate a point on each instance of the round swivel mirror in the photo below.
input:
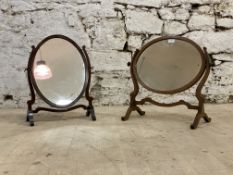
(59, 72)
(169, 65)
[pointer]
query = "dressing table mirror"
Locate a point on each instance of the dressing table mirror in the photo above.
(169, 65)
(59, 73)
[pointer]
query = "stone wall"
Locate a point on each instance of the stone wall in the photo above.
(112, 30)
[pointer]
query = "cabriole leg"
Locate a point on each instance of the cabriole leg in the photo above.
(200, 114)
(92, 112)
(88, 111)
(141, 112)
(126, 117)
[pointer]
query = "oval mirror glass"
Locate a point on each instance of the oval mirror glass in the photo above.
(59, 72)
(169, 65)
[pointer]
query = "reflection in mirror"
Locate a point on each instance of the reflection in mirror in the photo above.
(59, 71)
(42, 71)
(168, 65)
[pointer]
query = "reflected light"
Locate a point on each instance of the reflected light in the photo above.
(42, 71)
(63, 102)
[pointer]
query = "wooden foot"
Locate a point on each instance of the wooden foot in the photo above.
(126, 117)
(92, 112)
(88, 112)
(196, 120)
(207, 119)
(30, 119)
(141, 112)
(27, 117)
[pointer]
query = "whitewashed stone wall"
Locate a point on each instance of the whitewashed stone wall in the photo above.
(112, 30)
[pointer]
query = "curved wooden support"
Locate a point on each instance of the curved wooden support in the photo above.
(201, 98)
(87, 92)
(58, 110)
(32, 93)
(134, 93)
(132, 105)
(90, 108)
(181, 102)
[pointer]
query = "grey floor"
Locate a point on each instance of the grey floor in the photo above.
(159, 143)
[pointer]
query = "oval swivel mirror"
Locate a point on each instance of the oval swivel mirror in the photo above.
(169, 65)
(59, 72)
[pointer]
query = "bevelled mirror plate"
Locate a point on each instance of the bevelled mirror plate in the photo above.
(68, 73)
(169, 65)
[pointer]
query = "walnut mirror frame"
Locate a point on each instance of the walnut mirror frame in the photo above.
(199, 76)
(76, 80)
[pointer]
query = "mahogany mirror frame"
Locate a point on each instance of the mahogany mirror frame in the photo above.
(53, 107)
(201, 78)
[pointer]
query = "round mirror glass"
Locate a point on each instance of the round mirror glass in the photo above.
(59, 72)
(169, 65)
